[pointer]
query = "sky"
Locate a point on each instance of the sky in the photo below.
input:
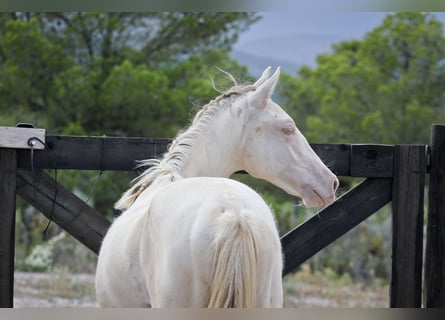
(298, 37)
(347, 24)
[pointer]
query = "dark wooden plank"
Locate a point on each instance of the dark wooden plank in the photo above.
(113, 153)
(116, 153)
(64, 208)
(8, 175)
(374, 161)
(407, 237)
(333, 221)
(435, 246)
(336, 156)
(92, 153)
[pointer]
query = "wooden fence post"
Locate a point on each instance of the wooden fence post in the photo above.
(407, 237)
(8, 176)
(435, 246)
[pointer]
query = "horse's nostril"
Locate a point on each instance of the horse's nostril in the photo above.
(336, 184)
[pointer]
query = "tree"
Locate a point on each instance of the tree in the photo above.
(386, 88)
(28, 65)
(56, 67)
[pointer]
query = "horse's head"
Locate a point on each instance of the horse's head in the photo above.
(276, 151)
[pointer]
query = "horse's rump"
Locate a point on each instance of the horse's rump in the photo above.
(222, 235)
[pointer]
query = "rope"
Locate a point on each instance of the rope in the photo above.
(32, 143)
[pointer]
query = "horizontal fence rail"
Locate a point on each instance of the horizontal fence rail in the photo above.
(110, 153)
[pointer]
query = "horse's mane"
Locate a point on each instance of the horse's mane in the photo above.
(170, 166)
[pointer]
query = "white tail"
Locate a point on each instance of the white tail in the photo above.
(235, 262)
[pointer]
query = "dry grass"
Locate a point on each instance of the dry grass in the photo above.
(304, 289)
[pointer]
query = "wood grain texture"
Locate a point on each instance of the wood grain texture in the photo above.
(335, 220)
(64, 208)
(407, 237)
(17, 138)
(374, 161)
(8, 174)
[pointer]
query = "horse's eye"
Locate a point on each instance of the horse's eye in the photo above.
(288, 130)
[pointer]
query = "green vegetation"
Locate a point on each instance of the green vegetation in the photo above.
(142, 74)
(386, 88)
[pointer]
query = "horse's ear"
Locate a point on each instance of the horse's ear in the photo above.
(265, 90)
(263, 77)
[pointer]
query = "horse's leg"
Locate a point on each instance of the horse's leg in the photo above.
(179, 282)
(164, 280)
(103, 300)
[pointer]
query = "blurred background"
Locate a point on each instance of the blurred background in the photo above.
(368, 77)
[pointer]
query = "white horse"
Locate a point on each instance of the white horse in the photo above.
(190, 237)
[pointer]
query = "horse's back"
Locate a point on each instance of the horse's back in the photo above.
(181, 227)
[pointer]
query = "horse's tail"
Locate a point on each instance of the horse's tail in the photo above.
(235, 265)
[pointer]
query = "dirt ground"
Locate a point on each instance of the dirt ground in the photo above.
(61, 289)
(54, 290)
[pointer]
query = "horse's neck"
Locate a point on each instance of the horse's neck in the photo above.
(209, 161)
(217, 153)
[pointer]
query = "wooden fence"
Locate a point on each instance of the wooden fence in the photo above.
(393, 173)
